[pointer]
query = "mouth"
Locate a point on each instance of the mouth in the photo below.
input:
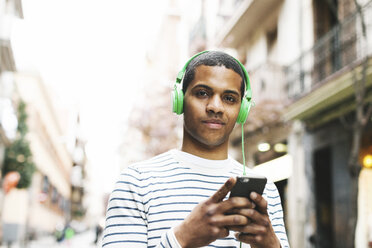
(214, 123)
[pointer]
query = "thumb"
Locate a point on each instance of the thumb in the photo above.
(220, 194)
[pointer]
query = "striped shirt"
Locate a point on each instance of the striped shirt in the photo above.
(152, 197)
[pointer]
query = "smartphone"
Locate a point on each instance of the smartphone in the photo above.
(247, 184)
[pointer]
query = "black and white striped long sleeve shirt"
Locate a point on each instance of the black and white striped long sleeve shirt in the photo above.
(153, 196)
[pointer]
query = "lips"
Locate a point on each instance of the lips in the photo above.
(214, 123)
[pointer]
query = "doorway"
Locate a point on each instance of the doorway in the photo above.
(323, 197)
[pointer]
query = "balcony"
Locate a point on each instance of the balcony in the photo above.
(248, 16)
(323, 76)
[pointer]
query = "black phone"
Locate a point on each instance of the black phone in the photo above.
(247, 184)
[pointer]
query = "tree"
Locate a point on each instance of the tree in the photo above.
(156, 122)
(18, 156)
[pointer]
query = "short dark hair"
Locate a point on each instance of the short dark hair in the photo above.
(212, 58)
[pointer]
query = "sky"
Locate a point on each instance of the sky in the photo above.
(91, 52)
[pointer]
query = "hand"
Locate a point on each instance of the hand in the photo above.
(259, 231)
(208, 220)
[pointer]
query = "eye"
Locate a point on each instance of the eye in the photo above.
(201, 93)
(230, 98)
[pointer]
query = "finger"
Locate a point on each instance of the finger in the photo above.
(261, 203)
(252, 229)
(220, 232)
(222, 192)
(233, 203)
(241, 211)
(224, 232)
(257, 217)
(229, 220)
(239, 228)
(248, 238)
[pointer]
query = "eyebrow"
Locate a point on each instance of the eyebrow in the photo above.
(209, 88)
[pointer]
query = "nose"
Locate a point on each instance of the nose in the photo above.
(215, 105)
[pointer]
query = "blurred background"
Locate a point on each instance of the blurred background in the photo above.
(85, 89)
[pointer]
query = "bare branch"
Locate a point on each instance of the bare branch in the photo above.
(363, 24)
(333, 8)
(359, 89)
(345, 123)
(367, 115)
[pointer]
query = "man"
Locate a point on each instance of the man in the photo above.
(180, 198)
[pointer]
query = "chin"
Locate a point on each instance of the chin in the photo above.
(212, 143)
(204, 139)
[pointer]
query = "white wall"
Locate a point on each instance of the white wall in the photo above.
(295, 29)
(257, 52)
(41, 217)
(296, 187)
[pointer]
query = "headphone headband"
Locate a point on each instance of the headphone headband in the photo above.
(182, 72)
(248, 90)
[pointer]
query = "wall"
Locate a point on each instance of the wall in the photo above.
(337, 138)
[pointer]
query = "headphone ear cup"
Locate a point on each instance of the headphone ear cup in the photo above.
(177, 100)
(245, 107)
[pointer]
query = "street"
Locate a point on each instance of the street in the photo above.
(80, 240)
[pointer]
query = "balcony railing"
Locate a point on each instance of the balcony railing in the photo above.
(341, 46)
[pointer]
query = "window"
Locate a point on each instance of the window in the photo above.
(45, 185)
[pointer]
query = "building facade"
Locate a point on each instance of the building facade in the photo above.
(78, 174)
(9, 12)
(303, 58)
(48, 197)
(322, 84)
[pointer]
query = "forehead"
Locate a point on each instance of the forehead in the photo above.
(218, 77)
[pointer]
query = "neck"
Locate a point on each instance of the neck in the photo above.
(219, 152)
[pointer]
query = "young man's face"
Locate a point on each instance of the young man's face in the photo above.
(211, 105)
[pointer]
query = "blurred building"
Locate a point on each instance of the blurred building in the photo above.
(9, 12)
(255, 32)
(79, 157)
(302, 57)
(321, 85)
(48, 198)
(153, 127)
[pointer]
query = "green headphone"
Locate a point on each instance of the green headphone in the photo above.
(178, 96)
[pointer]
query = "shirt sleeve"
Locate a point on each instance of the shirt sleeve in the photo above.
(126, 223)
(274, 208)
(168, 240)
